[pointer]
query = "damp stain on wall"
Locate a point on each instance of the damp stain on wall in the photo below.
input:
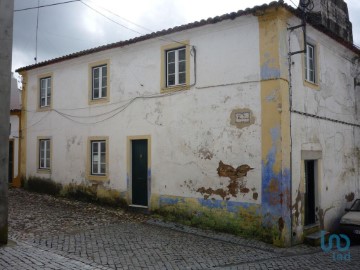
(321, 216)
(298, 208)
(236, 185)
(205, 153)
(281, 224)
(350, 197)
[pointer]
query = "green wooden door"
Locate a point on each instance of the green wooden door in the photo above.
(139, 172)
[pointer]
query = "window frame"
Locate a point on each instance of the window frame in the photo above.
(89, 157)
(176, 63)
(47, 158)
(99, 157)
(164, 78)
(47, 90)
(49, 78)
(307, 62)
(100, 79)
(91, 69)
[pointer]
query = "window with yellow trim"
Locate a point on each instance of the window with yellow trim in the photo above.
(176, 67)
(45, 92)
(44, 154)
(99, 82)
(310, 64)
(98, 157)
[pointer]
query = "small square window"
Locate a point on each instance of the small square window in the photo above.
(45, 92)
(99, 82)
(310, 64)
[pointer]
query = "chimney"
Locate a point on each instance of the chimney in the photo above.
(332, 15)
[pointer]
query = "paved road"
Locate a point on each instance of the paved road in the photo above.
(52, 233)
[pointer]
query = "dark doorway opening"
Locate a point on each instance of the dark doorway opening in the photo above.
(139, 172)
(11, 161)
(310, 194)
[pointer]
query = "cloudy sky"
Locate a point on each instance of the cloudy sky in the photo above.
(72, 27)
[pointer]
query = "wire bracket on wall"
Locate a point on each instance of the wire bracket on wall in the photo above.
(305, 6)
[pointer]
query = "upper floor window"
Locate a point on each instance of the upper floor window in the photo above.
(310, 64)
(99, 82)
(44, 154)
(45, 92)
(176, 67)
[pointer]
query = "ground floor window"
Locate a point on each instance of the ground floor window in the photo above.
(44, 154)
(98, 157)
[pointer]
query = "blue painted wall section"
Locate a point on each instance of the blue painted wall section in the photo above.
(268, 72)
(275, 188)
(229, 206)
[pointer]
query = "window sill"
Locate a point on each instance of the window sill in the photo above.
(98, 178)
(44, 109)
(44, 171)
(175, 88)
(98, 101)
(312, 85)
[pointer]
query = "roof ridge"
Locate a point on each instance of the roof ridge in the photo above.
(160, 33)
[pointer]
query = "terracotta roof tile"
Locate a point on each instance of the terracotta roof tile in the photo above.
(228, 16)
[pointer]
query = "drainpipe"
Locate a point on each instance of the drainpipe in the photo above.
(6, 32)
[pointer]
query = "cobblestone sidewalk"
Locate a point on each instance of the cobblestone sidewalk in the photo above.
(55, 233)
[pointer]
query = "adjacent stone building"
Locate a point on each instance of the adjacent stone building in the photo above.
(217, 120)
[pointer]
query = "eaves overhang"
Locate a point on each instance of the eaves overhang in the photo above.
(256, 10)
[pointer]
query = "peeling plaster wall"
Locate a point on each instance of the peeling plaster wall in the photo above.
(190, 131)
(334, 97)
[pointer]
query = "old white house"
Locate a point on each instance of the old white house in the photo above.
(216, 118)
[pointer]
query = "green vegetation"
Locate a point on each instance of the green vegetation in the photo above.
(42, 185)
(246, 222)
(94, 194)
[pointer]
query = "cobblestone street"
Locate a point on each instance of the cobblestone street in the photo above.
(56, 233)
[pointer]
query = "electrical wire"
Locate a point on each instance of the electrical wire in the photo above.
(117, 15)
(37, 31)
(49, 5)
(102, 14)
(114, 112)
(294, 4)
(126, 27)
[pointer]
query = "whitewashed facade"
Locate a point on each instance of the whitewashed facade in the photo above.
(235, 137)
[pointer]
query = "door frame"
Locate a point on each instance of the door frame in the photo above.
(129, 140)
(316, 156)
(315, 192)
(13, 160)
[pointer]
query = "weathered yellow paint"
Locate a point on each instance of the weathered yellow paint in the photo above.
(274, 89)
(275, 122)
(163, 50)
(23, 120)
(129, 139)
(154, 202)
(246, 221)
